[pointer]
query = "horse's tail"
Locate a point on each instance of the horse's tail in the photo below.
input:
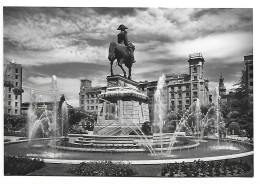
(111, 50)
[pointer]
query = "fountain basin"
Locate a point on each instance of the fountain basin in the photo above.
(74, 156)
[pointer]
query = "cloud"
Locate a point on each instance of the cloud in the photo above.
(214, 46)
(42, 86)
(59, 35)
(72, 43)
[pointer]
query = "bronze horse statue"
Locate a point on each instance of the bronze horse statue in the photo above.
(122, 55)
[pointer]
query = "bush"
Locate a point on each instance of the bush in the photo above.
(206, 168)
(103, 168)
(146, 128)
(21, 165)
(234, 127)
(14, 122)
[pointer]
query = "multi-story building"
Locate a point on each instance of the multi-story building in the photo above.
(199, 85)
(181, 90)
(89, 96)
(224, 97)
(249, 72)
(12, 88)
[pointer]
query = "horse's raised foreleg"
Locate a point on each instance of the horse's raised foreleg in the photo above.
(111, 68)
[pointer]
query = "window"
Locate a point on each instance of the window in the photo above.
(251, 67)
(16, 70)
(16, 76)
(16, 97)
(9, 111)
(195, 94)
(251, 83)
(9, 96)
(172, 95)
(16, 111)
(9, 103)
(92, 101)
(195, 78)
(82, 102)
(195, 86)
(87, 107)
(172, 102)
(179, 87)
(16, 104)
(82, 96)
(180, 102)
(96, 107)
(172, 88)
(187, 94)
(194, 70)
(92, 107)
(179, 95)
(187, 102)
(92, 96)
(250, 75)
(10, 89)
(16, 84)
(188, 87)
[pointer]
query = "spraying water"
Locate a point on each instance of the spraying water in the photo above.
(54, 100)
(31, 116)
(159, 110)
(217, 112)
(197, 114)
(64, 118)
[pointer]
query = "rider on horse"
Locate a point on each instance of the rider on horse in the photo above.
(123, 39)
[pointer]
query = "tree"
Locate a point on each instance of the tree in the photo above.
(146, 128)
(234, 128)
(240, 107)
(76, 115)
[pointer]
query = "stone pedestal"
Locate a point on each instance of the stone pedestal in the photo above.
(124, 108)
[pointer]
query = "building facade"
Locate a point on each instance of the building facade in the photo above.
(181, 90)
(248, 60)
(12, 88)
(224, 97)
(88, 96)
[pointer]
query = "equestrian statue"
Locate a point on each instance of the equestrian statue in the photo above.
(123, 52)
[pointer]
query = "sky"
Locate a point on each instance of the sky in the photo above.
(72, 43)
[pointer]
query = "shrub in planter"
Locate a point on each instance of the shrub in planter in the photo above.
(21, 165)
(103, 168)
(205, 168)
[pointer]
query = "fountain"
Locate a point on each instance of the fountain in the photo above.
(118, 131)
(159, 106)
(47, 120)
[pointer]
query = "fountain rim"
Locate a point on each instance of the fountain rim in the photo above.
(151, 162)
(142, 162)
